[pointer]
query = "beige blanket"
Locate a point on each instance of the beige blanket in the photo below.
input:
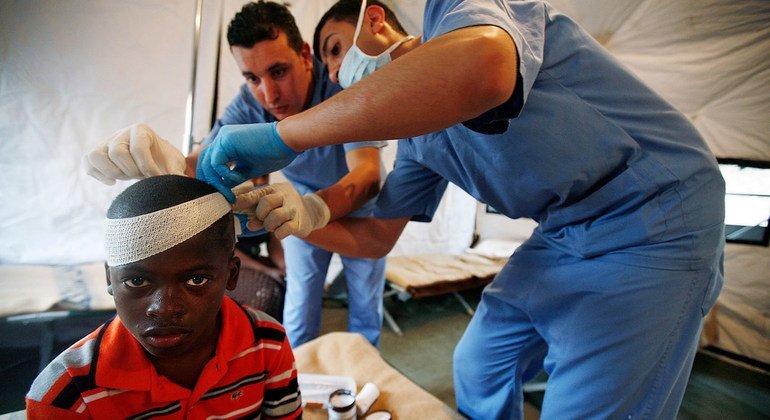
(350, 354)
(430, 275)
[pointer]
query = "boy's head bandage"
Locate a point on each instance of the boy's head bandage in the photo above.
(135, 238)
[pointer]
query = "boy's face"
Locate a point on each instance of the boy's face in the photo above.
(170, 302)
(280, 78)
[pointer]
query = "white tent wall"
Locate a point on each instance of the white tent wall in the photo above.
(741, 322)
(710, 58)
(71, 73)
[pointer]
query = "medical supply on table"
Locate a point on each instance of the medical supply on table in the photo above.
(379, 415)
(316, 388)
(320, 390)
(342, 405)
(366, 398)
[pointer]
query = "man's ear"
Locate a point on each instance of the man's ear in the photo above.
(109, 283)
(235, 270)
(375, 17)
(307, 56)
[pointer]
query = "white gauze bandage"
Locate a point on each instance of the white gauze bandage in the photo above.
(136, 238)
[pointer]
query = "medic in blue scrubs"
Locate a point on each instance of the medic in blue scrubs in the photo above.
(316, 169)
(516, 104)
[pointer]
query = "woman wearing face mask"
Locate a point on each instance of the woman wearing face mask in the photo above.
(516, 104)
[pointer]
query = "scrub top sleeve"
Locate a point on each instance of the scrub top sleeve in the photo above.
(410, 190)
(243, 109)
(523, 21)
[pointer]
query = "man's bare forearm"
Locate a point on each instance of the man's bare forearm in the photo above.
(355, 237)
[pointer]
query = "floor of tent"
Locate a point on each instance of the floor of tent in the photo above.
(432, 327)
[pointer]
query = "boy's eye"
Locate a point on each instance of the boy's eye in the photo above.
(278, 72)
(197, 281)
(135, 282)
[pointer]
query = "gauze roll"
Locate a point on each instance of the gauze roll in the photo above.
(135, 238)
(366, 398)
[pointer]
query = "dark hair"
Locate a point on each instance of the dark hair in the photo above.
(260, 21)
(164, 191)
(347, 11)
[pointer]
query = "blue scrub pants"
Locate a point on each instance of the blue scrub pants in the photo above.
(616, 339)
(306, 268)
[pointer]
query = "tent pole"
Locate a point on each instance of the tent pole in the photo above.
(188, 141)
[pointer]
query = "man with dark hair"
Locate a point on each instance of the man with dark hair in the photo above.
(284, 84)
(177, 345)
(282, 79)
(263, 21)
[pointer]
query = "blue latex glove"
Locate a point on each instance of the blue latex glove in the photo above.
(255, 149)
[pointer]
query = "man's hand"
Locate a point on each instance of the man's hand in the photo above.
(279, 208)
(254, 149)
(134, 152)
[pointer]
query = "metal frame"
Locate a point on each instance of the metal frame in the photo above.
(403, 295)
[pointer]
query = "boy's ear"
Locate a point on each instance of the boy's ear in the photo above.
(235, 269)
(109, 283)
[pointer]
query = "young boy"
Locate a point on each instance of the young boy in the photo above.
(178, 348)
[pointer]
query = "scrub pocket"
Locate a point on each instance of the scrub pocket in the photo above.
(716, 282)
(646, 216)
(637, 207)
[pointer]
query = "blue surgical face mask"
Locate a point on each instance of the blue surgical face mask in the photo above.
(357, 64)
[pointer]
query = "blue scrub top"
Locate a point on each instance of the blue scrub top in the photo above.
(597, 158)
(314, 169)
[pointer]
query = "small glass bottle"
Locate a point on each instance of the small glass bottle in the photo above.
(342, 405)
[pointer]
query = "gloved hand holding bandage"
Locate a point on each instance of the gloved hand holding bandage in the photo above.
(135, 152)
(243, 216)
(255, 149)
(279, 208)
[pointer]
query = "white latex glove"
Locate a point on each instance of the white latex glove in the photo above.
(134, 152)
(279, 208)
